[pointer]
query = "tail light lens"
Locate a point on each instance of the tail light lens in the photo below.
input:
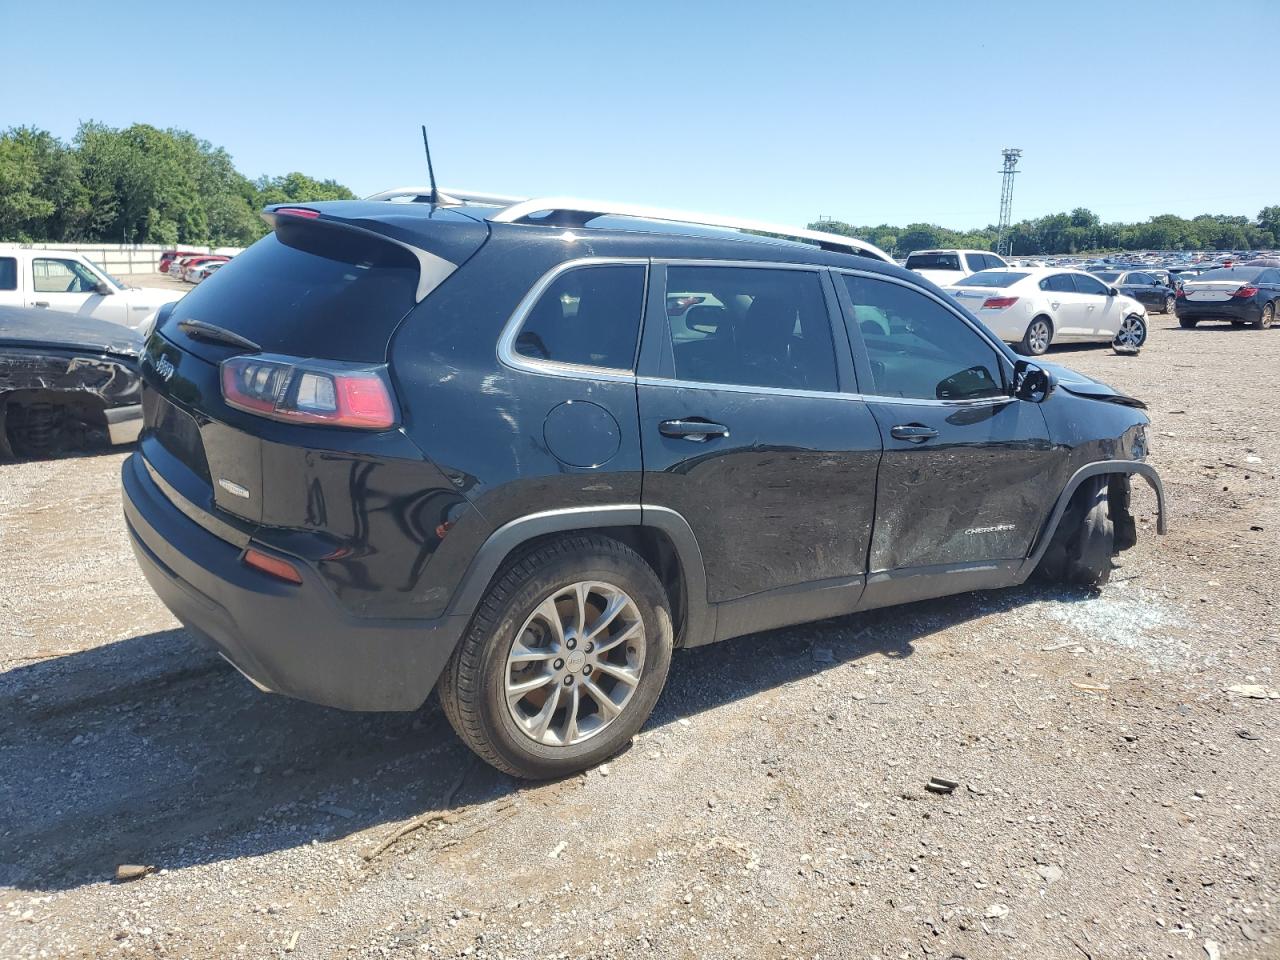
(1245, 292)
(310, 391)
(1182, 294)
(998, 303)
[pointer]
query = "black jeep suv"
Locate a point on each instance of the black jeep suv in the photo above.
(519, 453)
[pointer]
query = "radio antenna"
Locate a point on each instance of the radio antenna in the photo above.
(431, 173)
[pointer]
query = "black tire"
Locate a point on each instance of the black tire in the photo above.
(1132, 335)
(1268, 314)
(1170, 304)
(1035, 341)
(1084, 543)
(472, 687)
(1187, 323)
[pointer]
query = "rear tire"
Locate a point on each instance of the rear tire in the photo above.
(514, 641)
(1084, 543)
(1187, 323)
(1268, 314)
(1170, 304)
(1035, 342)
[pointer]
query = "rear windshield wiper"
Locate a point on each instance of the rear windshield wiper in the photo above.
(199, 330)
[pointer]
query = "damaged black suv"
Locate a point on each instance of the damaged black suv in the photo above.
(519, 451)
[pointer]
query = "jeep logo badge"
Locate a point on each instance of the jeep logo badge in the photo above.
(164, 368)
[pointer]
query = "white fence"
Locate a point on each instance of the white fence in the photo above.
(125, 258)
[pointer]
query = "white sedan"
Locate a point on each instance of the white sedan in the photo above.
(1032, 308)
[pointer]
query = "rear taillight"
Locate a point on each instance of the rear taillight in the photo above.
(998, 303)
(1245, 292)
(298, 212)
(1182, 294)
(310, 391)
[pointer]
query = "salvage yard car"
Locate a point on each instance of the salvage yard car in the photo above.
(510, 480)
(66, 381)
(67, 282)
(944, 267)
(1239, 295)
(1143, 286)
(1036, 307)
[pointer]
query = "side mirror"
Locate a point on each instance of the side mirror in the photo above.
(103, 288)
(1032, 383)
(1112, 292)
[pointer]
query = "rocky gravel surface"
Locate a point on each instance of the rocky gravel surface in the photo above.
(1116, 758)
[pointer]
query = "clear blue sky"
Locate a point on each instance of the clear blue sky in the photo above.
(868, 112)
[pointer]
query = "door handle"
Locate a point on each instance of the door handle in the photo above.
(1055, 304)
(42, 303)
(695, 430)
(915, 432)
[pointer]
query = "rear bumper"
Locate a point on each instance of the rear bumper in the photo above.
(288, 639)
(1246, 310)
(124, 424)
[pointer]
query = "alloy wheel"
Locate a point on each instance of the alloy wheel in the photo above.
(1133, 333)
(1038, 337)
(1170, 304)
(575, 664)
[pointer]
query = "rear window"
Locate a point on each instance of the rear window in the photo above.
(993, 278)
(310, 292)
(933, 261)
(1231, 273)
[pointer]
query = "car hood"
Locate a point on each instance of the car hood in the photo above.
(31, 327)
(1075, 382)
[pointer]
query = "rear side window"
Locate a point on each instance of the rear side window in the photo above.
(8, 273)
(1142, 279)
(751, 326)
(588, 316)
(918, 349)
(309, 292)
(933, 261)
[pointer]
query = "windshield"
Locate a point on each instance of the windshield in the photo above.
(1232, 273)
(992, 278)
(1110, 276)
(933, 261)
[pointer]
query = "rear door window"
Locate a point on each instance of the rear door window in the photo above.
(752, 326)
(1140, 279)
(1058, 283)
(1087, 284)
(918, 348)
(588, 316)
(8, 273)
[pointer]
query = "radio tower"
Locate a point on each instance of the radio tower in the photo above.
(1004, 243)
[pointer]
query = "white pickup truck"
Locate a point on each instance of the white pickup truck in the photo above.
(67, 282)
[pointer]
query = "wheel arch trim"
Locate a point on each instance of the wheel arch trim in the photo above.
(699, 614)
(1100, 468)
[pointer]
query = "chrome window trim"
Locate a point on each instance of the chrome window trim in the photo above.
(508, 356)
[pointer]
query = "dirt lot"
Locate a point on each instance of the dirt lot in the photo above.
(1116, 801)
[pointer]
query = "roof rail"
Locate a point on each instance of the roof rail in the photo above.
(580, 211)
(447, 196)
(572, 211)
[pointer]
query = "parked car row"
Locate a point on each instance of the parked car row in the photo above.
(191, 267)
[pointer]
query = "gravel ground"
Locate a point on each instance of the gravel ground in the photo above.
(1116, 800)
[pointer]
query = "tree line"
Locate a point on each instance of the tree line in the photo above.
(138, 184)
(1078, 231)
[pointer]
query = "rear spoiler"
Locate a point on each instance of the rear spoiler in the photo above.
(433, 269)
